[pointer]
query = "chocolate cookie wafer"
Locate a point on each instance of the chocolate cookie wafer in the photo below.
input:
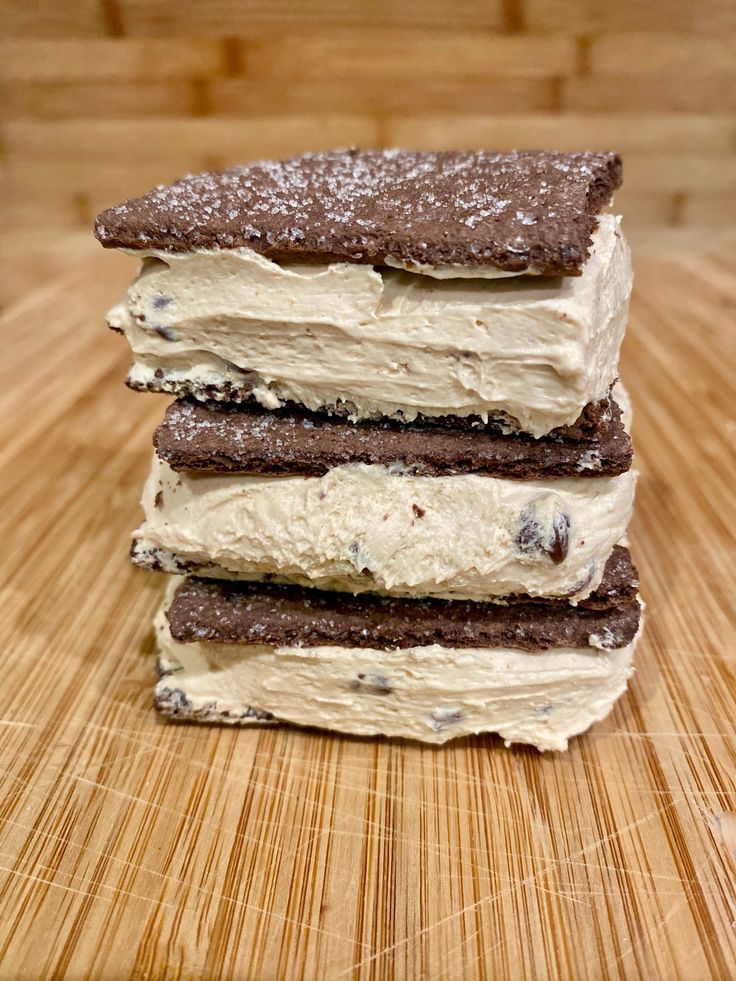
(512, 212)
(236, 438)
(288, 616)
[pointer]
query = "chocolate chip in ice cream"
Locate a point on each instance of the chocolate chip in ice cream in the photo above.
(166, 333)
(442, 718)
(544, 528)
(360, 559)
(372, 683)
(171, 701)
(560, 541)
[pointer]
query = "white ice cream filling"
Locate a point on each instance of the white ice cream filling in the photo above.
(382, 342)
(371, 528)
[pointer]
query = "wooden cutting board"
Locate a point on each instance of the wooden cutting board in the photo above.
(130, 847)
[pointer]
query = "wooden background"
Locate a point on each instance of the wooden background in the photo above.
(105, 98)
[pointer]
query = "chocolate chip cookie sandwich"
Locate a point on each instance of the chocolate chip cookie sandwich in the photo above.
(392, 489)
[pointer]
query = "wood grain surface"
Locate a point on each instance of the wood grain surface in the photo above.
(133, 848)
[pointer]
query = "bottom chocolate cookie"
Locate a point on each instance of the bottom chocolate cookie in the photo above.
(230, 612)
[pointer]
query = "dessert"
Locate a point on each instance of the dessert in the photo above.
(392, 487)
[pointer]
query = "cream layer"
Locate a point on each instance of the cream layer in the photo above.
(368, 528)
(529, 349)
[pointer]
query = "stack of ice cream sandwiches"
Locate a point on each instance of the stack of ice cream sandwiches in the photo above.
(392, 493)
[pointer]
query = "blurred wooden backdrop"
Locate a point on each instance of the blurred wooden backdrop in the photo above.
(102, 99)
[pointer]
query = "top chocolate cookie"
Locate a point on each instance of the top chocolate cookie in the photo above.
(531, 210)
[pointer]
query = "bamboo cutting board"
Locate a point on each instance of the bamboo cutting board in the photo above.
(130, 847)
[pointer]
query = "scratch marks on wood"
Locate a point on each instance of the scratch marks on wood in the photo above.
(723, 826)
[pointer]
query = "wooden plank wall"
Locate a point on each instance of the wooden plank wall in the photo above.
(105, 98)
